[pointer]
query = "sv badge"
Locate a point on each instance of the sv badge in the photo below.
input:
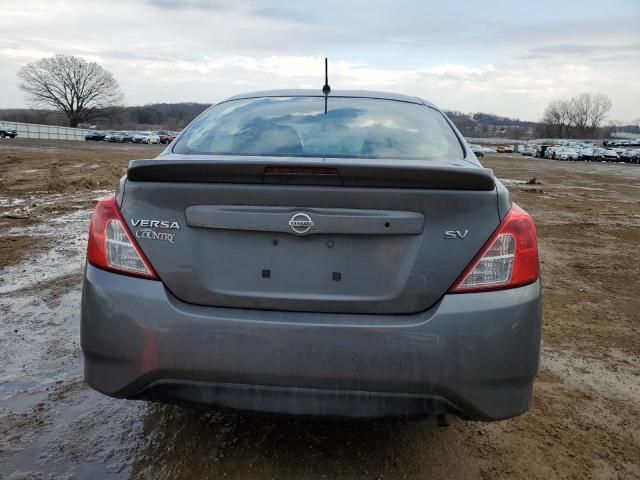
(455, 234)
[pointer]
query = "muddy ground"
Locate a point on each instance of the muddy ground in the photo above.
(585, 422)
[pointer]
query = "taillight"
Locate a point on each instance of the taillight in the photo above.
(111, 245)
(508, 259)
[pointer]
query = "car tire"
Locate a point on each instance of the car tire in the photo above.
(2, 134)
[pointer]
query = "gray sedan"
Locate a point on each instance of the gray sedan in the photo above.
(299, 253)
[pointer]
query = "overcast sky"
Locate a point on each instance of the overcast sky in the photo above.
(503, 57)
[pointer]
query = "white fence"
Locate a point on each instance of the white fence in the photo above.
(49, 132)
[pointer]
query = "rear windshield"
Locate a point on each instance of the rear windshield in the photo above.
(299, 126)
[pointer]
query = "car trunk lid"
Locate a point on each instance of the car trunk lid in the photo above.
(322, 235)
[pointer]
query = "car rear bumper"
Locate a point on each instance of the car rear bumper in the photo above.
(474, 355)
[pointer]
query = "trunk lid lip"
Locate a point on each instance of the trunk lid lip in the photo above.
(308, 160)
(352, 172)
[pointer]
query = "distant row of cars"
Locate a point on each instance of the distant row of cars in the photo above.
(568, 151)
(584, 152)
(480, 150)
(160, 136)
(631, 142)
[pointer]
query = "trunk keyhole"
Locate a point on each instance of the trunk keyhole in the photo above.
(266, 273)
(387, 225)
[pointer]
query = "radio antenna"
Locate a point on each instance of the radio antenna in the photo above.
(326, 89)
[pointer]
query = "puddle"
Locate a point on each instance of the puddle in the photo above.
(27, 207)
(12, 201)
(68, 236)
(52, 424)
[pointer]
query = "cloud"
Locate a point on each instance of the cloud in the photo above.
(461, 72)
(584, 51)
(184, 4)
(303, 15)
(462, 57)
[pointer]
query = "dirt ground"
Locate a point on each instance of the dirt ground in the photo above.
(585, 422)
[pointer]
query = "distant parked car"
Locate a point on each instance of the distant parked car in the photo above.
(146, 137)
(566, 154)
(164, 135)
(172, 136)
(528, 151)
(585, 154)
(610, 154)
(95, 136)
(140, 136)
(585, 146)
(118, 137)
(505, 149)
(605, 154)
(477, 150)
(152, 138)
(8, 132)
(551, 151)
(541, 150)
(630, 156)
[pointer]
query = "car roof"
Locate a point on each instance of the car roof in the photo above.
(334, 93)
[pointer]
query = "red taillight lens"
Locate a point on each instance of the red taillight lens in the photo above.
(111, 245)
(509, 259)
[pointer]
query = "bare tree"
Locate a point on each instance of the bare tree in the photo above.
(600, 107)
(556, 117)
(81, 90)
(612, 127)
(581, 115)
(579, 112)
